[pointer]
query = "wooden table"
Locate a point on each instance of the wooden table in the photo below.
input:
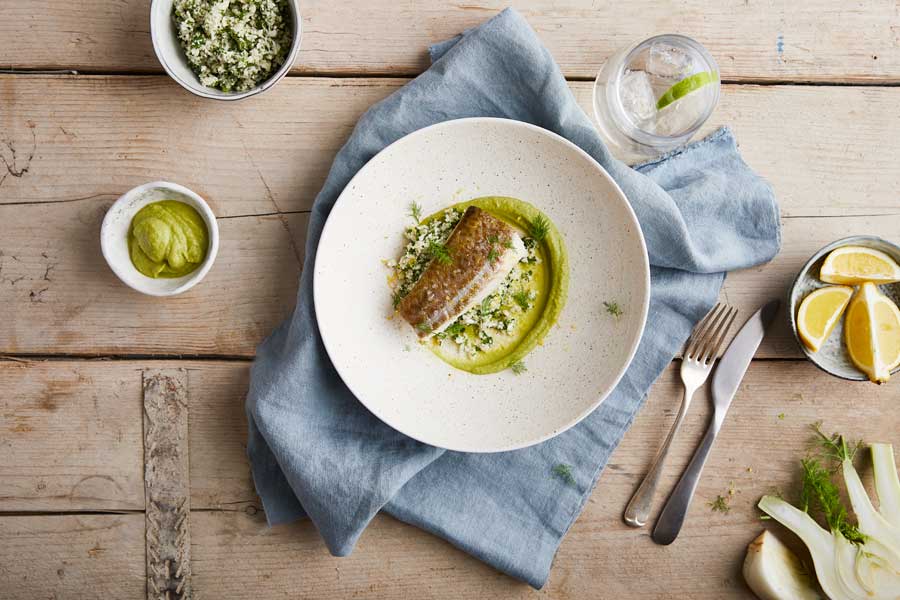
(810, 91)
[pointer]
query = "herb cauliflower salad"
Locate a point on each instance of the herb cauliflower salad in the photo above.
(497, 315)
(233, 45)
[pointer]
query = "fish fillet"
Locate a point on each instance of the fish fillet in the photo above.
(483, 250)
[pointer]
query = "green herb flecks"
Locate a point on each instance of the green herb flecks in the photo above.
(518, 367)
(781, 416)
(820, 493)
(415, 211)
(493, 239)
(564, 472)
(833, 447)
(507, 243)
(493, 255)
(539, 228)
(720, 504)
(522, 298)
(440, 253)
(485, 308)
(396, 297)
(454, 330)
(424, 327)
(614, 309)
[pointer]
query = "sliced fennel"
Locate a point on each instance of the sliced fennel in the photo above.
(773, 572)
(859, 562)
(887, 483)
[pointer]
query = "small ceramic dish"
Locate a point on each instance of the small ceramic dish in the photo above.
(832, 357)
(114, 237)
(172, 58)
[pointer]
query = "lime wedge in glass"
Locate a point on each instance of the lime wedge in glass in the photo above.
(685, 87)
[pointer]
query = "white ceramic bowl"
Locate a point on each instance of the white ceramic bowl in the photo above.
(114, 237)
(171, 56)
(581, 359)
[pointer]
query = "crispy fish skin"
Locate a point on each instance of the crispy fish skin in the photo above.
(483, 250)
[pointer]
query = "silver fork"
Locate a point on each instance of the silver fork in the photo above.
(697, 361)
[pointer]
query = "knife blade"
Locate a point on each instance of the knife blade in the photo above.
(736, 359)
(726, 380)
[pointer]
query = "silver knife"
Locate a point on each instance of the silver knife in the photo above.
(726, 380)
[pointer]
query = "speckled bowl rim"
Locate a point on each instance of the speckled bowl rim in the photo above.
(214, 94)
(855, 240)
(645, 285)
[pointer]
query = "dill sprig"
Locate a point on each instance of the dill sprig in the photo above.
(564, 472)
(539, 228)
(613, 309)
(821, 493)
(522, 298)
(415, 211)
(439, 252)
(833, 447)
(720, 504)
(518, 367)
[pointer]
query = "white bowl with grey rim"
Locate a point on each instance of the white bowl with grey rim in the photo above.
(117, 223)
(832, 357)
(171, 56)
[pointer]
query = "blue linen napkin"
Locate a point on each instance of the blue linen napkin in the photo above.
(316, 451)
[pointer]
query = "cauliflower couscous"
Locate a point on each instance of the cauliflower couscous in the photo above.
(233, 45)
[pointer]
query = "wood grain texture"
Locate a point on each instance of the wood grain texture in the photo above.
(70, 437)
(72, 557)
(236, 555)
(834, 162)
(763, 439)
(62, 297)
(86, 140)
(167, 484)
(760, 40)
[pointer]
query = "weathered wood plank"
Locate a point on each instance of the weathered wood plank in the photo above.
(70, 436)
(236, 555)
(824, 41)
(167, 485)
(762, 441)
(827, 151)
(59, 296)
(72, 557)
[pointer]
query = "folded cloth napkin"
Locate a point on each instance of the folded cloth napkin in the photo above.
(316, 451)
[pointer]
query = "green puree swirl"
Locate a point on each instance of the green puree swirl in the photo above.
(551, 280)
(167, 239)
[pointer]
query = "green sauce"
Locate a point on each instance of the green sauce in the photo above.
(550, 280)
(167, 239)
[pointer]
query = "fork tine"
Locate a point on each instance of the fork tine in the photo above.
(700, 330)
(708, 329)
(711, 350)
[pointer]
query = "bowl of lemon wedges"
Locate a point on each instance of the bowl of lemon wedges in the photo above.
(843, 309)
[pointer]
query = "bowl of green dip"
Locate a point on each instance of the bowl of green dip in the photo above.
(160, 238)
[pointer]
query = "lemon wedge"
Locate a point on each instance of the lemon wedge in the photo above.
(872, 333)
(820, 312)
(852, 265)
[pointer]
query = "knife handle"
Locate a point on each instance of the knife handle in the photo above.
(674, 512)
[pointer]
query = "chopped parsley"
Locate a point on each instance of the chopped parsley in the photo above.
(564, 472)
(518, 367)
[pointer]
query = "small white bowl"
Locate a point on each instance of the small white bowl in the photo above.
(114, 237)
(171, 56)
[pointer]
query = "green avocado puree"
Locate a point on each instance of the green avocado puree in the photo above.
(167, 239)
(551, 281)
